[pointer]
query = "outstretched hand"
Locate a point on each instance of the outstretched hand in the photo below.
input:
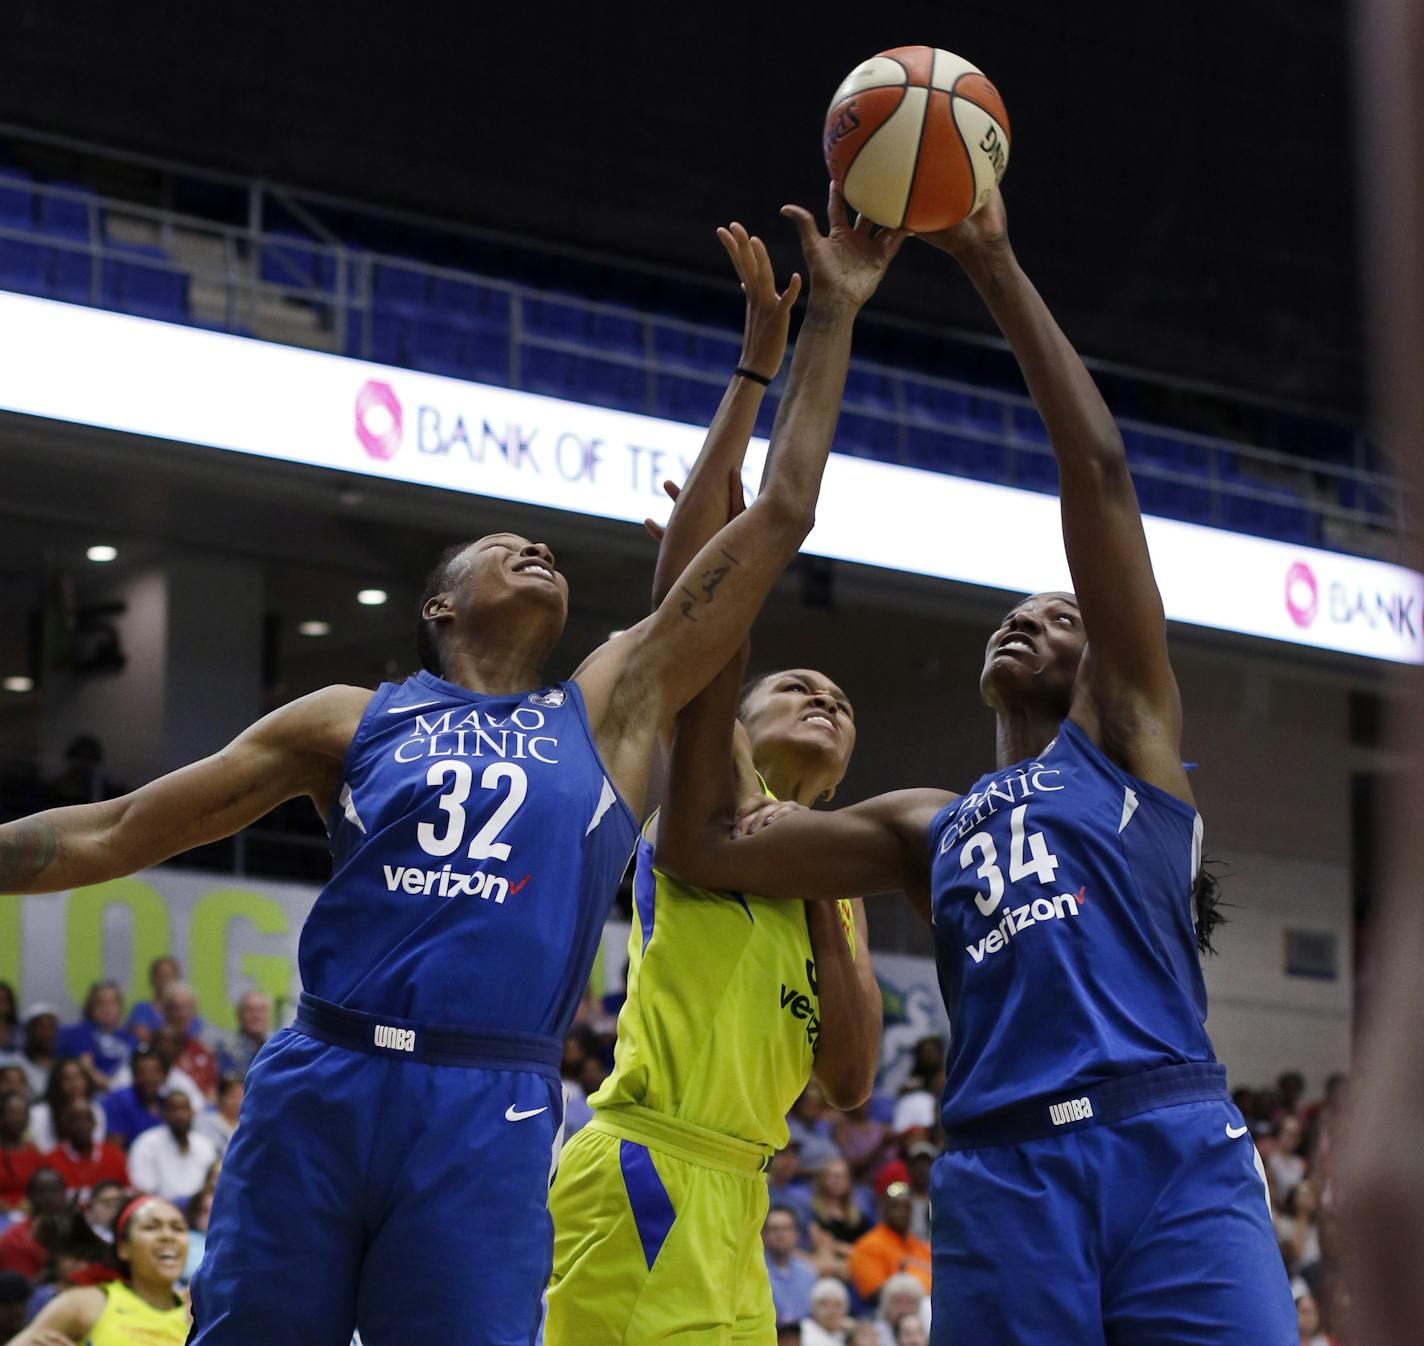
(848, 263)
(768, 313)
(988, 227)
(736, 503)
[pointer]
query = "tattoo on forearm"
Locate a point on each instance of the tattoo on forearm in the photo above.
(707, 582)
(27, 848)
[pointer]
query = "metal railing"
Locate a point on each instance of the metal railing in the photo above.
(257, 281)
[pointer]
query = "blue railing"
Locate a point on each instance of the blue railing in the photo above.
(65, 242)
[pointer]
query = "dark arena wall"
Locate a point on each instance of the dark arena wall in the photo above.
(1180, 179)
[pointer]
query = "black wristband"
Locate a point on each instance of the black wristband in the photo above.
(743, 372)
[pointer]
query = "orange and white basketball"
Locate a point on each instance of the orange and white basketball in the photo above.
(917, 137)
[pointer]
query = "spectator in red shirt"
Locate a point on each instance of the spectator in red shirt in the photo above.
(19, 1250)
(18, 1158)
(191, 1054)
(80, 1159)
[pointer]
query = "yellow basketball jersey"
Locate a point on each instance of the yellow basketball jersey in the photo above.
(722, 1016)
(128, 1320)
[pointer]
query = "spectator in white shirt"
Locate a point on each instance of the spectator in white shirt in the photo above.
(172, 1160)
(830, 1308)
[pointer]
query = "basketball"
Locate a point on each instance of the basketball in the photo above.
(917, 138)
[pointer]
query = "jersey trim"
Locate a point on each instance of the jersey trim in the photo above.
(1126, 778)
(335, 811)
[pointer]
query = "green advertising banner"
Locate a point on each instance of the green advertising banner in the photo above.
(229, 936)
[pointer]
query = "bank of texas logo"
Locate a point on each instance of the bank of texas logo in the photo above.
(1302, 594)
(379, 423)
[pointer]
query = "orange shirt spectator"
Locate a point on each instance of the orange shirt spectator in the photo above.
(889, 1247)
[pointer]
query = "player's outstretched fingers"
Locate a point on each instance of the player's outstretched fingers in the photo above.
(793, 289)
(806, 227)
(836, 208)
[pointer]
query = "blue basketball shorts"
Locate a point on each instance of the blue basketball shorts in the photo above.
(1152, 1229)
(381, 1188)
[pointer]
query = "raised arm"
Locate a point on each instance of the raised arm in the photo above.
(879, 846)
(293, 751)
(701, 505)
(1134, 693)
(636, 681)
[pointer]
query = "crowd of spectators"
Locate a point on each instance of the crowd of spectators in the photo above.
(94, 1111)
(97, 1111)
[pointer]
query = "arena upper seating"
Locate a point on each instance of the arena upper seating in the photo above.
(59, 239)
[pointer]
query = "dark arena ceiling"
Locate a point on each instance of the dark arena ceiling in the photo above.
(1182, 184)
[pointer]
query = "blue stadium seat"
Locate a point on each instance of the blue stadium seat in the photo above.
(17, 201)
(147, 288)
(868, 437)
(400, 287)
(958, 455)
(866, 388)
(948, 406)
(462, 300)
(1035, 471)
(67, 216)
(434, 344)
(552, 319)
(697, 350)
(291, 259)
(484, 351)
(70, 275)
(1283, 515)
(1173, 499)
(387, 338)
(616, 332)
(582, 378)
(682, 399)
(1025, 424)
(22, 266)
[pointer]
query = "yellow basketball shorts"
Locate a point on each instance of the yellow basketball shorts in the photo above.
(657, 1237)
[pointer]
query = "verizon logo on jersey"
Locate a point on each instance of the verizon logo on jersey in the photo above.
(444, 882)
(1015, 920)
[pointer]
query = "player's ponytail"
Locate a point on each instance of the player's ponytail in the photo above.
(1206, 906)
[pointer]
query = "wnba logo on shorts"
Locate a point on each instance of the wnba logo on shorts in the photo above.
(378, 419)
(397, 1039)
(1071, 1110)
(1302, 594)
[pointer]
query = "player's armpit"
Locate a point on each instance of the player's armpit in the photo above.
(293, 751)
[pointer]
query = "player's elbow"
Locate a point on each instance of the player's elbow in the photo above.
(786, 513)
(847, 1079)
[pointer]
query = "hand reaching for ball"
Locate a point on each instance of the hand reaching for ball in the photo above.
(847, 264)
(768, 313)
(988, 227)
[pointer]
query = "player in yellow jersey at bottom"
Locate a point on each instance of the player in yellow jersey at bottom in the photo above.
(142, 1309)
(734, 1001)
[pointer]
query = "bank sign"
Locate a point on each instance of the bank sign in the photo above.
(237, 394)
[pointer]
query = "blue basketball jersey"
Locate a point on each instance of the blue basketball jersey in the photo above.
(477, 844)
(1064, 931)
